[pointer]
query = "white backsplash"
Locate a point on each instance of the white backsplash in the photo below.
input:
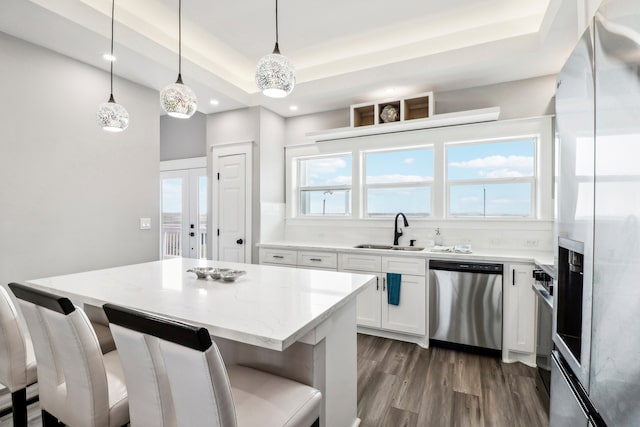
(271, 221)
(485, 235)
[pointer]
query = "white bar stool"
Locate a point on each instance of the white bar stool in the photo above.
(78, 385)
(158, 352)
(17, 360)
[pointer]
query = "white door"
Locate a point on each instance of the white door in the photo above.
(232, 218)
(184, 213)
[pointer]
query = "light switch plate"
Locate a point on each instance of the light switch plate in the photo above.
(145, 223)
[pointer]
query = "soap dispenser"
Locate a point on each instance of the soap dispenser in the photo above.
(438, 238)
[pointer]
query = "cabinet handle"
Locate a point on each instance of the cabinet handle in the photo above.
(278, 256)
(377, 283)
(315, 259)
(384, 283)
(513, 277)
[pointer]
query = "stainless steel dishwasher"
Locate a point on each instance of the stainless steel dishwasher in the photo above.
(465, 305)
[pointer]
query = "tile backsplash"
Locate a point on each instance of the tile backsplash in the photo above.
(496, 235)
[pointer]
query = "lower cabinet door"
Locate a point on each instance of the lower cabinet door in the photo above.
(519, 310)
(410, 315)
(368, 305)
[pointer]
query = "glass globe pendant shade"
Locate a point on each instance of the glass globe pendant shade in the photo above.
(178, 100)
(275, 75)
(112, 117)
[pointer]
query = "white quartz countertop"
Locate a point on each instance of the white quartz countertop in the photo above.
(270, 306)
(477, 255)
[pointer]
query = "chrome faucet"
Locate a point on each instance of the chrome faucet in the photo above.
(397, 233)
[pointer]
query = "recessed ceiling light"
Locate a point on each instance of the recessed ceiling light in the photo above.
(109, 57)
(293, 108)
(390, 90)
(214, 102)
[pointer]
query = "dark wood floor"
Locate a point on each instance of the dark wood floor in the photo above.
(403, 385)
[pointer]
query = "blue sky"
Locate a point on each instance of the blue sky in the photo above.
(172, 195)
(511, 159)
(496, 160)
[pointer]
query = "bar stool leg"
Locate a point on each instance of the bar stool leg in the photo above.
(19, 403)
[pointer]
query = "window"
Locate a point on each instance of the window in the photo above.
(491, 178)
(498, 171)
(325, 186)
(398, 181)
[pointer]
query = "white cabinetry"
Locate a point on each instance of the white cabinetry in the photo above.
(322, 260)
(519, 314)
(409, 316)
(317, 260)
(278, 256)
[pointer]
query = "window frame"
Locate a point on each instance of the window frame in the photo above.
(540, 128)
(531, 180)
(415, 184)
(299, 188)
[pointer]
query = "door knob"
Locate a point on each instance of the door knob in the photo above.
(239, 241)
(192, 234)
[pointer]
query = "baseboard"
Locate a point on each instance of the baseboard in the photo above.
(415, 339)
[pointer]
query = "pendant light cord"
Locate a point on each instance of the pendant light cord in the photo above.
(276, 49)
(179, 37)
(113, 7)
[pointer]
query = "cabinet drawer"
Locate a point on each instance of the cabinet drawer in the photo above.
(402, 265)
(278, 256)
(359, 262)
(314, 267)
(318, 259)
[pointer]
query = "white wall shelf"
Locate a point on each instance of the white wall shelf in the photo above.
(437, 120)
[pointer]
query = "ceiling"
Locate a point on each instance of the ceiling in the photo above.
(345, 52)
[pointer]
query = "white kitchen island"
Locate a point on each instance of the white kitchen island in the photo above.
(294, 322)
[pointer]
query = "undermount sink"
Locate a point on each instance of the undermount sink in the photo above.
(388, 247)
(370, 246)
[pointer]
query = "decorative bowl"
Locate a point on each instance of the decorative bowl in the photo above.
(216, 273)
(201, 272)
(231, 275)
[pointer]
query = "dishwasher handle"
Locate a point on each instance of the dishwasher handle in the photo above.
(466, 267)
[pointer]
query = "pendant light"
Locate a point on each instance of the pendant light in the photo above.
(177, 99)
(275, 74)
(112, 117)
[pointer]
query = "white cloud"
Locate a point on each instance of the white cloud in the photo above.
(389, 179)
(501, 173)
(327, 165)
(409, 160)
(339, 180)
(490, 162)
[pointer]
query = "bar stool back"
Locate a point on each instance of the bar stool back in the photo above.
(17, 360)
(78, 385)
(203, 391)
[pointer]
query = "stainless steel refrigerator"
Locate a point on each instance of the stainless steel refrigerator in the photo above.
(599, 384)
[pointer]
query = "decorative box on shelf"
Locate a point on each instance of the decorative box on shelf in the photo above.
(392, 110)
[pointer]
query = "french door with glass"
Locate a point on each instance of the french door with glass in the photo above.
(183, 230)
